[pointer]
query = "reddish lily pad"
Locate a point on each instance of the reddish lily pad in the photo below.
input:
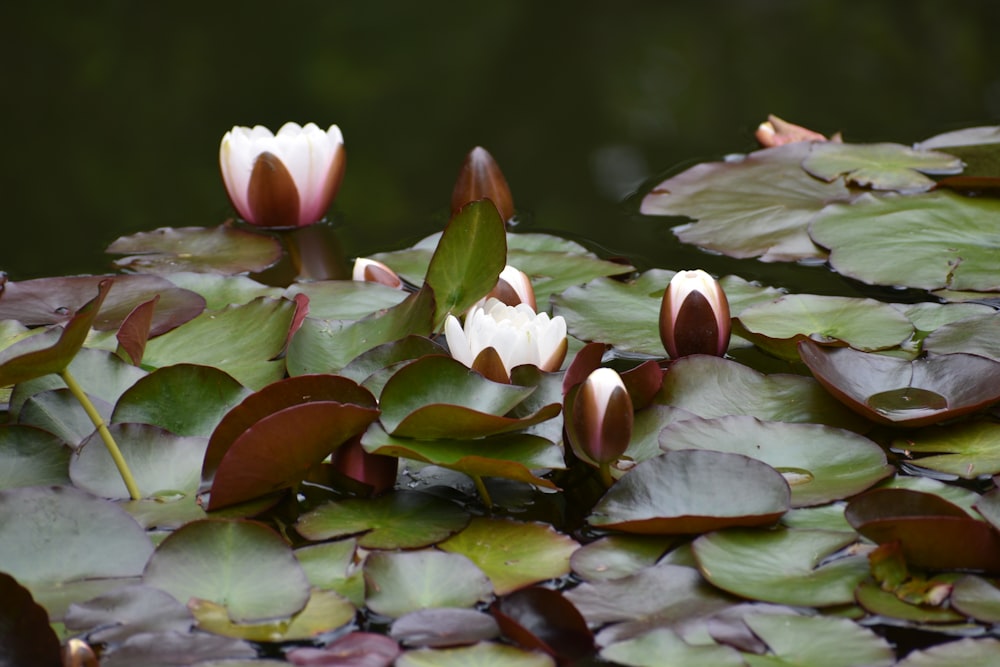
(400, 520)
(25, 633)
(897, 392)
(882, 166)
(356, 649)
(934, 534)
(542, 619)
(756, 206)
(693, 491)
(405, 581)
(513, 554)
(221, 249)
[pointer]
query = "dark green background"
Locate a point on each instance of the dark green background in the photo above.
(114, 110)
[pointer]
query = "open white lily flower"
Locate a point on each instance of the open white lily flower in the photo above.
(516, 334)
(286, 179)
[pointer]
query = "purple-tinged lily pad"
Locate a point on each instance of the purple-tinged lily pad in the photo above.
(757, 206)
(882, 166)
(898, 392)
(820, 463)
(542, 619)
(178, 648)
(693, 491)
(983, 651)
(221, 249)
(400, 520)
(930, 241)
(782, 566)
(513, 554)
(356, 649)
(126, 611)
(934, 534)
(437, 628)
(483, 653)
(243, 565)
(135, 330)
(401, 582)
(25, 633)
(32, 457)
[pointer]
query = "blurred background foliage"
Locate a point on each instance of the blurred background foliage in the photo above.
(114, 110)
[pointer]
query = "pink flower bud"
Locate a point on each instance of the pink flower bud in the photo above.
(694, 316)
(602, 416)
(286, 179)
(777, 132)
(373, 271)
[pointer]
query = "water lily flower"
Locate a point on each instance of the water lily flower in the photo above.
(480, 178)
(777, 132)
(694, 315)
(286, 179)
(602, 416)
(513, 287)
(496, 338)
(373, 271)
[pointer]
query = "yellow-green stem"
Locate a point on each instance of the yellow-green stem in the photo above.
(483, 493)
(606, 477)
(102, 428)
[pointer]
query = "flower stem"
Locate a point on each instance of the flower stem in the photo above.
(102, 428)
(483, 493)
(606, 477)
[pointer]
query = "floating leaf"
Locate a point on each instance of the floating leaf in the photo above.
(483, 653)
(242, 565)
(32, 456)
(617, 556)
(976, 597)
(356, 649)
(663, 646)
(931, 241)
(221, 249)
(976, 335)
(967, 450)
(782, 566)
(378, 358)
(757, 206)
(541, 618)
(818, 641)
(126, 611)
(882, 166)
(692, 492)
(325, 611)
(961, 652)
(898, 392)
(400, 520)
(402, 582)
(884, 603)
(513, 554)
(156, 648)
(443, 627)
(820, 463)
(332, 566)
(346, 299)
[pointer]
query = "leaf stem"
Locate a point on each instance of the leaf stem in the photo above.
(483, 493)
(102, 428)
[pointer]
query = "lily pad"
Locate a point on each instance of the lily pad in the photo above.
(885, 603)
(334, 566)
(242, 565)
(346, 299)
(324, 612)
(98, 546)
(541, 618)
(976, 597)
(483, 654)
(757, 206)
(126, 611)
(173, 648)
(221, 291)
(968, 136)
(693, 491)
(782, 566)
(898, 392)
(715, 387)
(402, 582)
(931, 241)
(617, 556)
(817, 641)
(355, 649)
(961, 652)
(383, 356)
(443, 627)
(663, 646)
(221, 249)
(882, 166)
(978, 335)
(820, 463)
(32, 456)
(864, 324)
(513, 554)
(400, 520)
(968, 450)
(25, 634)
(60, 413)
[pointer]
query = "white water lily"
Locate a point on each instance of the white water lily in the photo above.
(517, 334)
(286, 179)
(513, 287)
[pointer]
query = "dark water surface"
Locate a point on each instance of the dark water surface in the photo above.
(114, 112)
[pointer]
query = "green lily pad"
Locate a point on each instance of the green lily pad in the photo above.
(167, 512)
(825, 517)
(882, 166)
(334, 566)
(715, 387)
(405, 581)
(968, 136)
(389, 354)
(60, 413)
(324, 346)
(400, 520)
(221, 249)
(820, 463)
(513, 554)
(968, 450)
(126, 611)
(207, 340)
(221, 291)
(439, 397)
(160, 461)
(32, 456)
(961, 652)
(988, 505)
(864, 324)
(25, 634)
(782, 566)
(884, 603)
(976, 597)
(757, 206)
(977, 335)
(693, 491)
(242, 565)
(956, 495)
(931, 241)
(346, 299)
(185, 399)
(617, 556)
(817, 641)
(663, 646)
(325, 611)
(927, 317)
(67, 546)
(483, 654)
(510, 455)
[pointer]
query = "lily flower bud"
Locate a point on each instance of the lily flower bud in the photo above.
(777, 132)
(602, 416)
(373, 271)
(513, 287)
(286, 179)
(480, 178)
(512, 335)
(694, 315)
